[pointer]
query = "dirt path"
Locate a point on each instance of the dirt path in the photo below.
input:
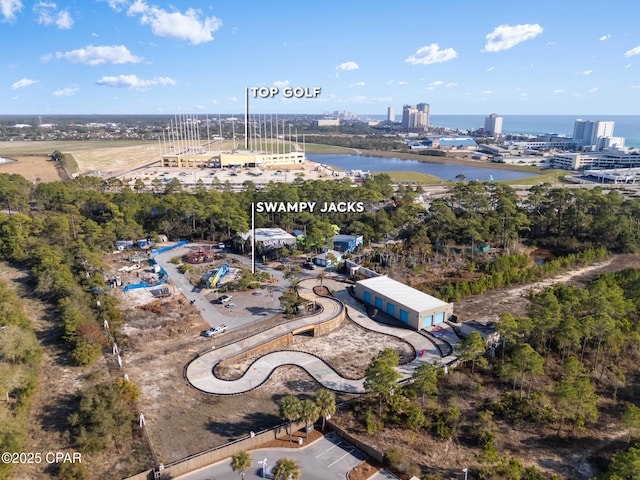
(52, 402)
(488, 306)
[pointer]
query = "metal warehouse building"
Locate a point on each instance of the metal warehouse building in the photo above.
(413, 307)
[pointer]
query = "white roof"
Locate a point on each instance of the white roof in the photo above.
(402, 294)
(269, 235)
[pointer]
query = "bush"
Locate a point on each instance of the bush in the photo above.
(86, 353)
(395, 459)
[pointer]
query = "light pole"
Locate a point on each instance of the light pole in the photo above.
(464, 470)
(264, 468)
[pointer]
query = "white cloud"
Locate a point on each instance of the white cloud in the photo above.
(559, 90)
(66, 92)
(490, 69)
(117, 5)
(91, 55)
(593, 90)
(9, 9)
(437, 83)
(233, 99)
(451, 84)
(635, 86)
(133, 82)
(605, 37)
(348, 66)
(183, 26)
(281, 83)
(23, 82)
(586, 73)
(632, 52)
(46, 14)
(431, 54)
(382, 99)
(402, 82)
(357, 84)
(487, 92)
(505, 37)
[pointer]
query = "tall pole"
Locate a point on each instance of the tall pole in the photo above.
(253, 238)
(246, 118)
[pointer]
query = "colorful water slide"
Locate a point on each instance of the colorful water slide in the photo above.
(222, 271)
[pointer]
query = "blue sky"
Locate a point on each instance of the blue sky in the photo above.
(157, 57)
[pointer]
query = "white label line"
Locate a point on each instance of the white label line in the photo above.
(346, 454)
(328, 449)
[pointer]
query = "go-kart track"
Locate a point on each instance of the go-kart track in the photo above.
(200, 372)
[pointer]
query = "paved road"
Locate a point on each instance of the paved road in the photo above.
(329, 458)
(200, 372)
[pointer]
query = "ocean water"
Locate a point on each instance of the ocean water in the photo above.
(627, 126)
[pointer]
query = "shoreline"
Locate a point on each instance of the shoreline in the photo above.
(432, 159)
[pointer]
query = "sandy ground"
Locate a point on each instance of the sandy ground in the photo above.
(34, 168)
(182, 421)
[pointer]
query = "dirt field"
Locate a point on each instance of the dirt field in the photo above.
(34, 168)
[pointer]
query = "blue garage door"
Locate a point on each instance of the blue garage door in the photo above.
(367, 297)
(391, 309)
(426, 321)
(439, 318)
(404, 316)
(378, 302)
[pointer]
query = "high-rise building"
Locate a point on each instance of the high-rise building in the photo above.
(415, 117)
(493, 125)
(590, 135)
(391, 114)
(423, 115)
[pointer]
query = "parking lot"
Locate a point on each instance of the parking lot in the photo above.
(326, 459)
(220, 177)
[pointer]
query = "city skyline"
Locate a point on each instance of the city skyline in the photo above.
(156, 57)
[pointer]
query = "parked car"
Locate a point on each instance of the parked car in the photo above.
(221, 245)
(308, 266)
(213, 331)
(224, 299)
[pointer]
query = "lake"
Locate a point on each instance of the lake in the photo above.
(443, 171)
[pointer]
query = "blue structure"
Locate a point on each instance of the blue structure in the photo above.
(222, 271)
(347, 243)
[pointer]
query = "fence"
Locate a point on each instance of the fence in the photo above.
(214, 455)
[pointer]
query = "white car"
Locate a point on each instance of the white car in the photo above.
(214, 330)
(225, 299)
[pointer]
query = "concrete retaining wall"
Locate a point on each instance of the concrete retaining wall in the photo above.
(217, 454)
(280, 343)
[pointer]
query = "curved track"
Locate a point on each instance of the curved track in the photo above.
(200, 372)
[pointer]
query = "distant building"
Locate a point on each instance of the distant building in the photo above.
(412, 307)
(415, 117)
(493, 125)
(591, 136)
(328, 122)
(391, 114)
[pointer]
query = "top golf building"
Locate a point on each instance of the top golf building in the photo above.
(413, 307)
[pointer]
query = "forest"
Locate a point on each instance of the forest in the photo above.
(576, 347)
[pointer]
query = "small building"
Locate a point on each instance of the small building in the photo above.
(413, 307)
(347, 243)
(325, 260)
(267, 239)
